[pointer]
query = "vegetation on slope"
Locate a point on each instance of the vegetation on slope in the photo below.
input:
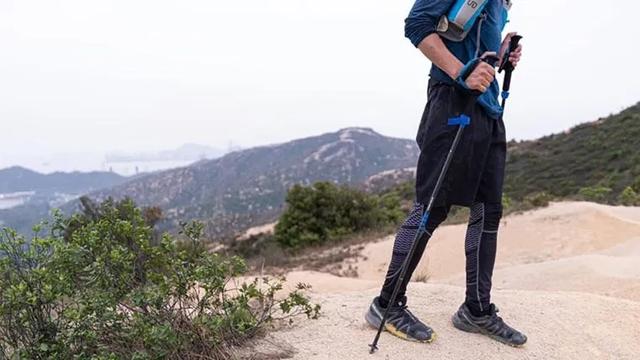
(597, 161)
(327, 212)
(319, 217)
(101, 286)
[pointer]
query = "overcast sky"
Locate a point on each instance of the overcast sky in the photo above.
(88, 76)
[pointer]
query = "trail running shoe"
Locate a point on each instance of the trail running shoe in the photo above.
(491, 325)
(400, 322)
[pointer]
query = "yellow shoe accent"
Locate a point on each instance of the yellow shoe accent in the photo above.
(395, 332)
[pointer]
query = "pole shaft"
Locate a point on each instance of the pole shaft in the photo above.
(445, 168)
(421, 231)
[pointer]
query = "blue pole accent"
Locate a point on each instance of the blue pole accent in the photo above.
(505, 94)
(462, 120)
(425, 219)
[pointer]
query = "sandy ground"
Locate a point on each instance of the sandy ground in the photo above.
(567, 275)
(559, 325)
(559, 231)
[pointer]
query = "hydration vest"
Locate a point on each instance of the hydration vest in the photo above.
(456, 24)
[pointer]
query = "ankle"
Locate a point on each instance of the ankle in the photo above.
(475, 310)
(383, 300)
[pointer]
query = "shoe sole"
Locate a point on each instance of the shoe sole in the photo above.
(458, 324)
(374, 322)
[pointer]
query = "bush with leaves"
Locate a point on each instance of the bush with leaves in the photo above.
(536, 200)
(636, 185)
(594, 193)
(629, 197)
(324, 212)
(99, 288)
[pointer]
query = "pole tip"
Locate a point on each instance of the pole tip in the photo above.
(372, 348)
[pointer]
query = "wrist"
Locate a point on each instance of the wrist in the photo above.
(463, 73)
(455, 69)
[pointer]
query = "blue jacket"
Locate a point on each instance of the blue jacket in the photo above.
(422, 21)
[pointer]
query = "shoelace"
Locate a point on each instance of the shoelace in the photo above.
(499, 325)
(406, 309)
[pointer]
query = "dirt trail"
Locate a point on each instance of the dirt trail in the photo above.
(567, 275)
(559, 325)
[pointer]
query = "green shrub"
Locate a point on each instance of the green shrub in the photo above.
(536, 200)
(636, 185)
(629, 197)
(507, 202)
(594, 193)
(325, 212)
(96, 287)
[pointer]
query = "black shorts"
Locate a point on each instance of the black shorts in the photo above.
(476, 173)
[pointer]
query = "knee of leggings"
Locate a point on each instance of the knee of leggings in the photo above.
(437, 216)
(492, 216)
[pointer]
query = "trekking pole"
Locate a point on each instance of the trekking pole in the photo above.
(462, 121)
(507, 66)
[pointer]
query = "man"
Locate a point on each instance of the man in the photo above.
(475, 178)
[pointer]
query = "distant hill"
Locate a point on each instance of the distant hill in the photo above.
(185, 152)
(389, 179)
(17, 179)
(248, 187)
(126, 163)
(41, 192)
(604, 153)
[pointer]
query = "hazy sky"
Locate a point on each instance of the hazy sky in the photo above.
(87, 76)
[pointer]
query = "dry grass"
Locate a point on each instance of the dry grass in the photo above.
(424, 274)
(422, 277)
(262, 253)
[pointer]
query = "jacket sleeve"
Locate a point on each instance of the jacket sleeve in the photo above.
(423, 19)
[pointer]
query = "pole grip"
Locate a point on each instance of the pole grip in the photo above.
(506, 65)
(513, 45)
(490, 59)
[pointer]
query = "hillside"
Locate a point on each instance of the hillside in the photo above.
(594, 161)
(36, 193)
(248, 187)
(16, 179)
(603, 153)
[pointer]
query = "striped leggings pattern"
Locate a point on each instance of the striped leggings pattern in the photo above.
(402, 245)
(404, 238)
(480, 250)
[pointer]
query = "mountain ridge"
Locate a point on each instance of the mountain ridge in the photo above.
(604, 154)
(18, 178)
(233, 192)
(245, 188)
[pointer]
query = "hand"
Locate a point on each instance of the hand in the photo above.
(515, 55)
(482, 76)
